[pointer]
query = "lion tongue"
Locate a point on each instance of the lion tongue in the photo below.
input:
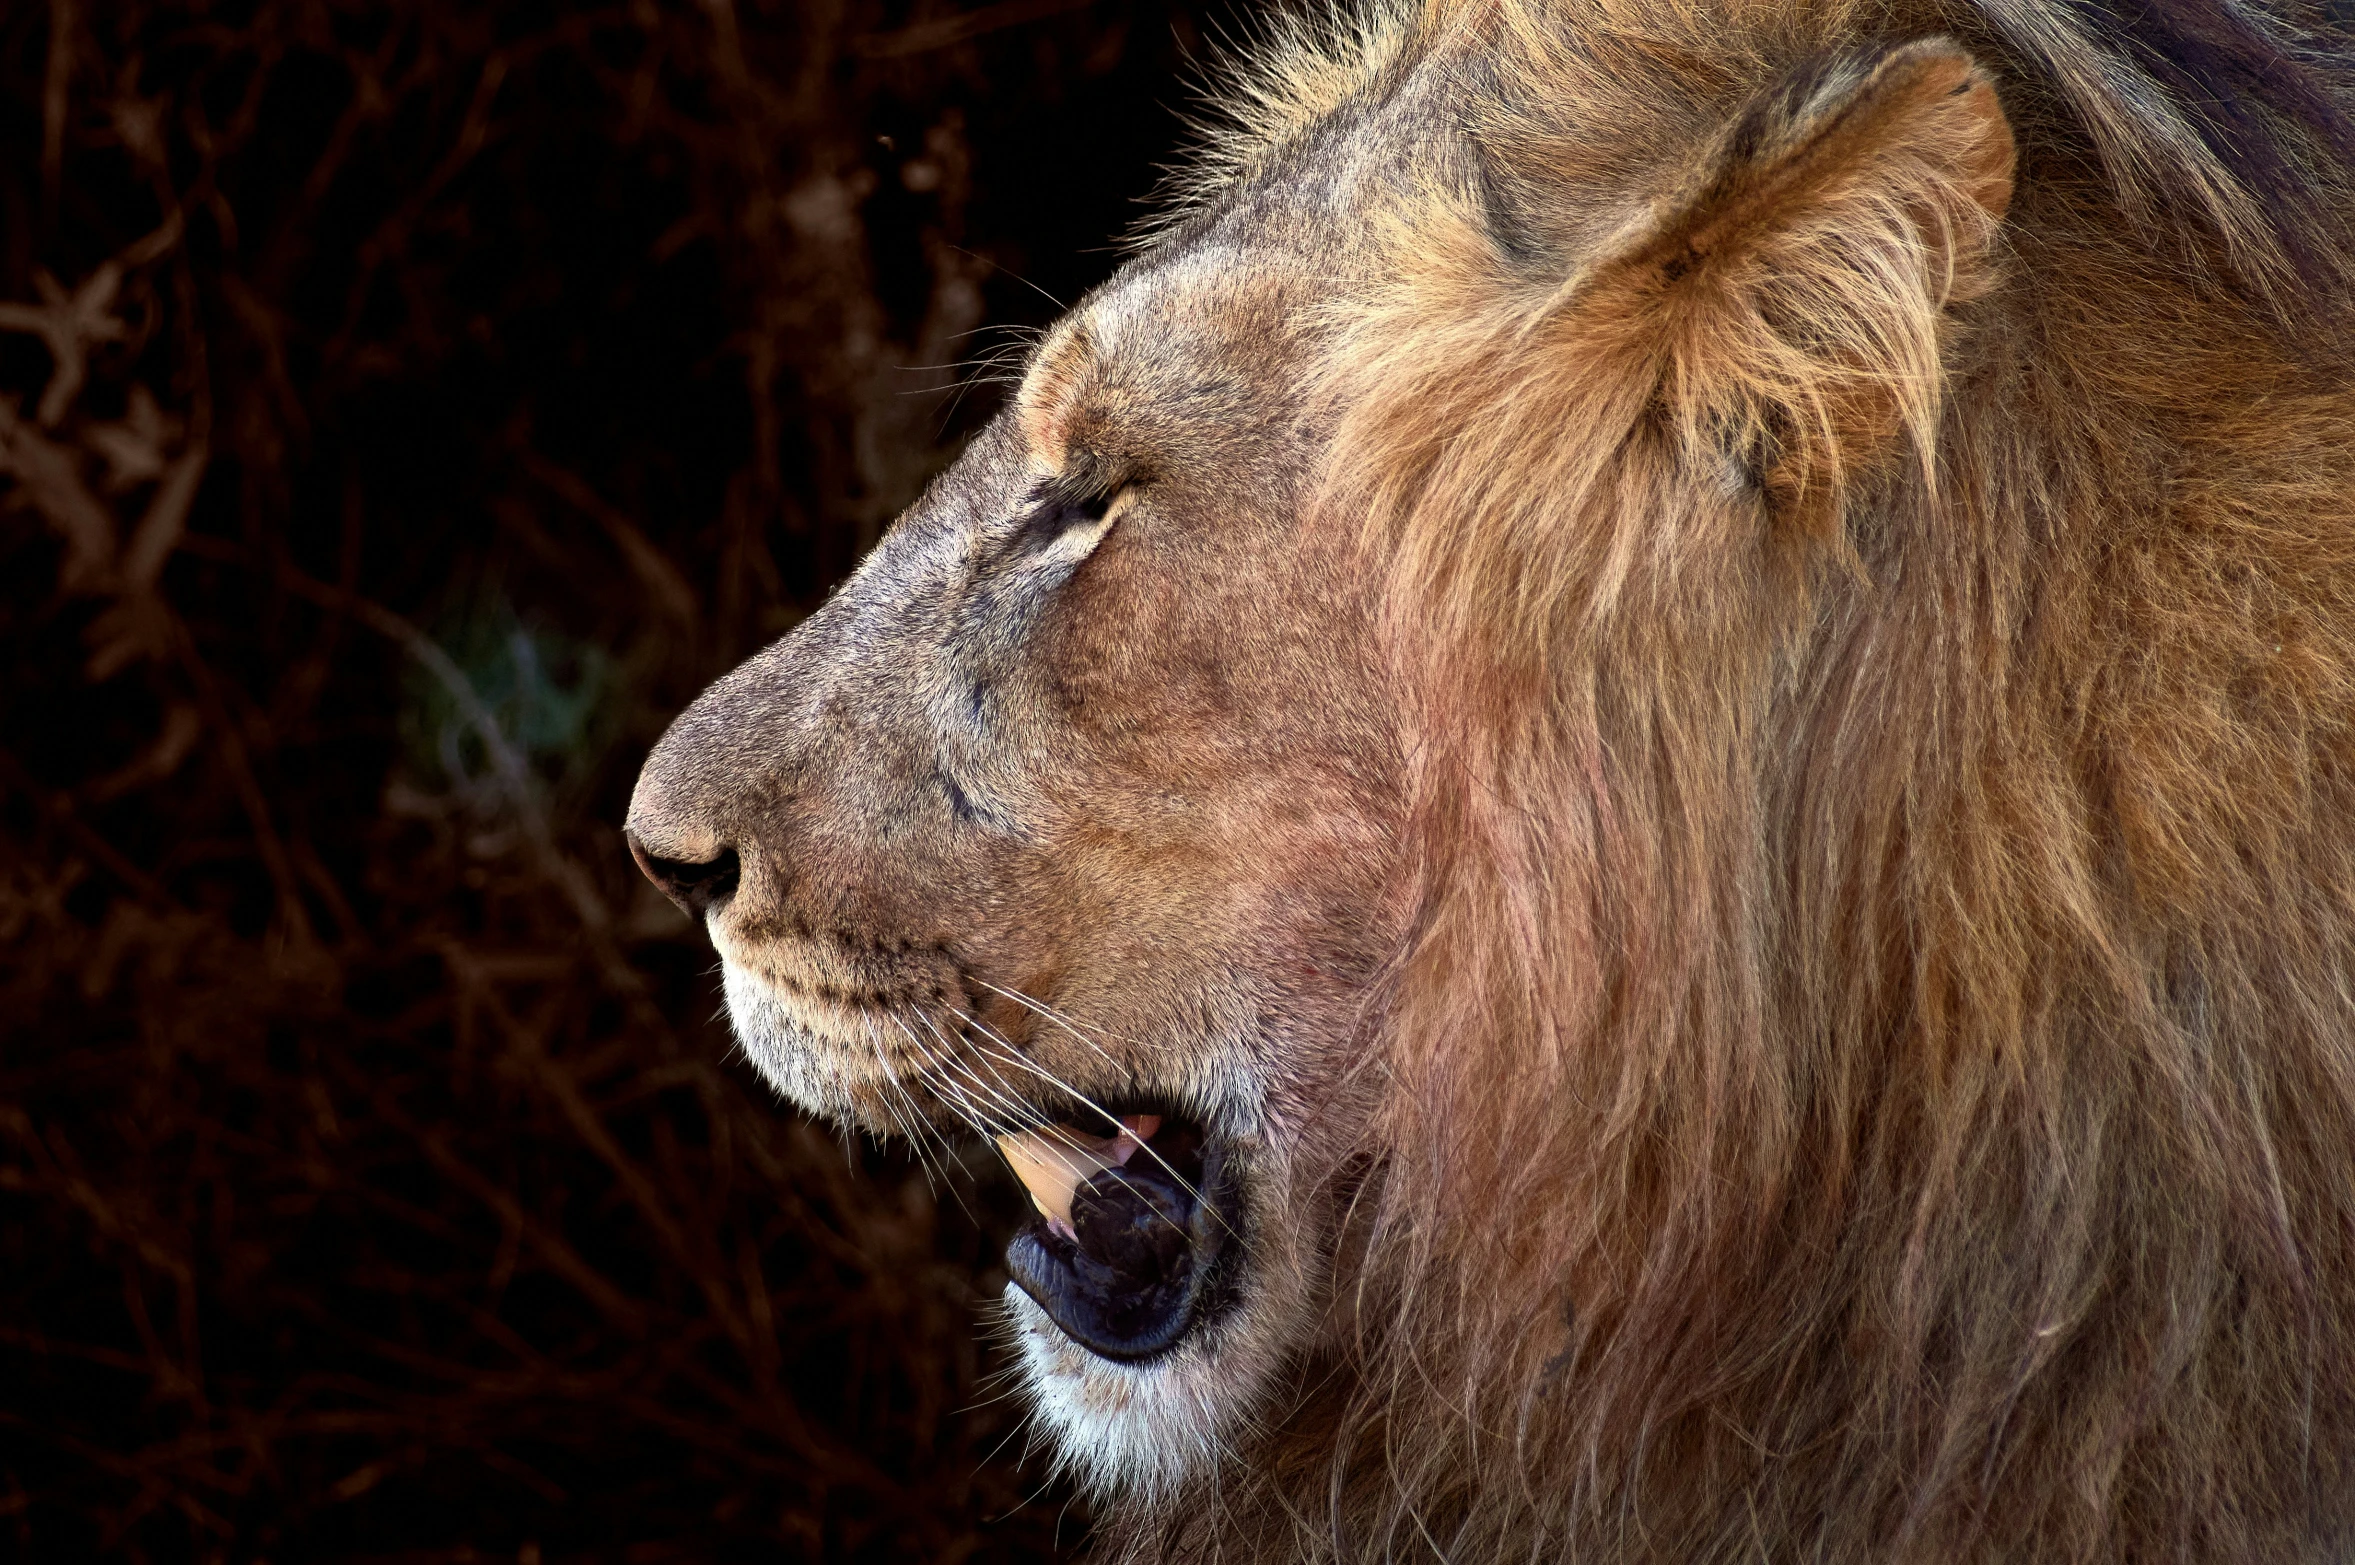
(1053, 1163)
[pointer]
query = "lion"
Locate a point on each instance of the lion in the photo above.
(1630, 786)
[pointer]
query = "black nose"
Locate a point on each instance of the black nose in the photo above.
(698, 888)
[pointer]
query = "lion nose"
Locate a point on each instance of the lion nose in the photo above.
(697, 887)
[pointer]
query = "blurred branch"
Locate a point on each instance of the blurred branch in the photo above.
(375, 1162)
(942, 32)
(669, 590)
(514, 776)
(57, 81)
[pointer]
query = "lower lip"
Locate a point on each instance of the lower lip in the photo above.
(1106, 1283)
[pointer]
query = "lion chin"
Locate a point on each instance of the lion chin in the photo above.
(1630, 788)
(1136, 1415)
(1122, 1429)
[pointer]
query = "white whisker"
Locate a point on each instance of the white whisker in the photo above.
(1016, 1114)
(906, 1123)
(1059, 1019)
(1010, 1056)
(958, 1100)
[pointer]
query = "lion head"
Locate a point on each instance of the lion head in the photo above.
(1631, 786)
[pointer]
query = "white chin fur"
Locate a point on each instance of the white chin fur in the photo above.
(1138, 1430)
(784, 1050)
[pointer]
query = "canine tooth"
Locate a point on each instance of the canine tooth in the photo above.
(1054, 1162)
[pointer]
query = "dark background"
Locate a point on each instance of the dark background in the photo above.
(405, 407)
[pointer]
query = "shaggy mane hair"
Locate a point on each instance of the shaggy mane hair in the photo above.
(1873, 1077)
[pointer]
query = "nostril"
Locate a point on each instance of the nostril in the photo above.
(698, 888)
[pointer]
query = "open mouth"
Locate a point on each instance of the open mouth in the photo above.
(1125, 1253)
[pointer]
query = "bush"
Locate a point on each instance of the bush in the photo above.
(404, 407)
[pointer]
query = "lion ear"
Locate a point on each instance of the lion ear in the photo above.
(1792, 296)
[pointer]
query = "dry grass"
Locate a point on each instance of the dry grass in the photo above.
(404, 406)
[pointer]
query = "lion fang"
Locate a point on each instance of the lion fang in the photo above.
(1053, 1163)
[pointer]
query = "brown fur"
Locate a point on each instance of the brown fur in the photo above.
(1822, 1012)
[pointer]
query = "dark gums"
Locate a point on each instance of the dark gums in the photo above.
(1132, 1224)
(1152, 1246)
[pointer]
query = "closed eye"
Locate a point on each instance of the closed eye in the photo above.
(1056, 517)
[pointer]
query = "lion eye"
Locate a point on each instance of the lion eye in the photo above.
(1057, 516)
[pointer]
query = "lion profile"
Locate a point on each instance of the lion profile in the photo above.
(1631, 787)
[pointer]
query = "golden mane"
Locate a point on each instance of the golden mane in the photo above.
(1872, 1077)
